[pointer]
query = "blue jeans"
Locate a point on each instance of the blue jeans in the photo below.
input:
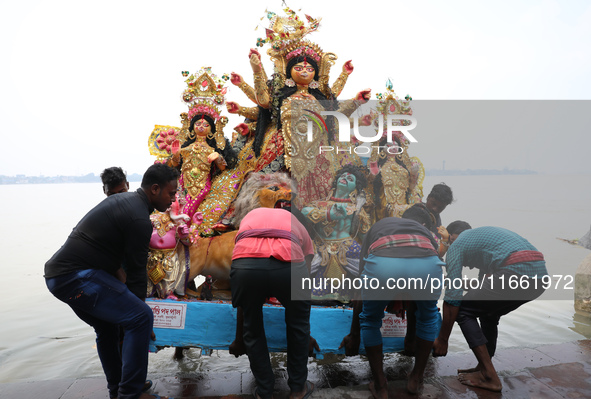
(401, 270)
(105, 303)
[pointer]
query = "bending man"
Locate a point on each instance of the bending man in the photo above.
(82, 274)
(270, 259)
(501, 256)
(400, 251)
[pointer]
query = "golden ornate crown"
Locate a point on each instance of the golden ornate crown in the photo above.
(287, 30)
(286, 38)
(390, 104)
(205, 93)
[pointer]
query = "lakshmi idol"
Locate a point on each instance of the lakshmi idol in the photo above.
(211, 175)
(199, 159)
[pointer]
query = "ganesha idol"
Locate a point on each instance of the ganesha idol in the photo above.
(168, 259)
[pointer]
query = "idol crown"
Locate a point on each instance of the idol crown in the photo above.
(288, 30)
(204, 93)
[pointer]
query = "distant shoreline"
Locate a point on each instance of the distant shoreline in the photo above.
(89, 178)
(478, 172)
(92, 178)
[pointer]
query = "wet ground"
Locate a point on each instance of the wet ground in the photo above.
(549, 371)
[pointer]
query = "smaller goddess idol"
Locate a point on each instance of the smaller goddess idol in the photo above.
(397, 177)
(211, 175)
(200, 158)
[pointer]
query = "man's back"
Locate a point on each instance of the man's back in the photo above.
(117, 230)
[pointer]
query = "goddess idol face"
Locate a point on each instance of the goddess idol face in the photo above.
(303, 73)
(202, 127)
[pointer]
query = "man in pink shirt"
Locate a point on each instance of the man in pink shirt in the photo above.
(272, 255)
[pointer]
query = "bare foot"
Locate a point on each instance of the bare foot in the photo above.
(414, 384)
(381, 392)
(467, 371)
(478, 380)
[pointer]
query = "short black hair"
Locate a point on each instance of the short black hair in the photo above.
(457, 227)
(160, 174)
(113, 176)
(442, 192)
(419, 213)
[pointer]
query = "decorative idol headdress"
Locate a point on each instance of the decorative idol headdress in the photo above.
(286, 38)
(389, 103)
(204, 95)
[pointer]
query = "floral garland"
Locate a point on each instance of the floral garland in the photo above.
(307, 51)
(203, 109)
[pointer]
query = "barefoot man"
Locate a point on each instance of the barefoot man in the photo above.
(510, 273)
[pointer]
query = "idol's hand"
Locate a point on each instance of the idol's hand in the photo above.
(363, 96)
(232, 107)
(242, 128)
(255, 60)
(212, 157)
(175, 146)
(236, 79)
(338, 211)
(255, 52)
(348, 67)
(366, 120)
(182, 231)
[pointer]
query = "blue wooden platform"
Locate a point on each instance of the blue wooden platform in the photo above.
(212, 325)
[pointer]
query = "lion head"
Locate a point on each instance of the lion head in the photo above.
(263, 190)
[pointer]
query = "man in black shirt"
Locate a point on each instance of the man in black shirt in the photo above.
(82, 274)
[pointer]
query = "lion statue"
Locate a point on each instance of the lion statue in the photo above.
(213, 255)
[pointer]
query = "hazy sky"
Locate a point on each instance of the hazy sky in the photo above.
(83, 83)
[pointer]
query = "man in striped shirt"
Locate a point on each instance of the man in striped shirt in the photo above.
(510, 273)
(400, 251)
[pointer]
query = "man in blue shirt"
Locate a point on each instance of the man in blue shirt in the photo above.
(82, 273)
(510, 273)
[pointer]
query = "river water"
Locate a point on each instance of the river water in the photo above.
(42, 339)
